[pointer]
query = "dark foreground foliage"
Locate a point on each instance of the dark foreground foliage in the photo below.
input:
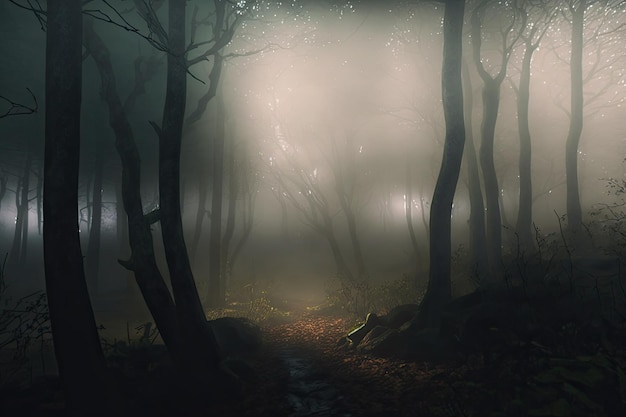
(502, 353)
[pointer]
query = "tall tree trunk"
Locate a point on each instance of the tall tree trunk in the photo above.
(247, 214)
(439, 289)
(87, 387)
(142, 260)
(17, 257)
(202, 363)
(343, 170)
(574, 211)
(200, 215)
(25, 207)
(39, 197)
(524, 214)
(343, 272)
(233, 193)
(93, 245)
(215, 291)
(3, 188)
(121, 220)
(491, 103)
(14, 254)
(477, 238)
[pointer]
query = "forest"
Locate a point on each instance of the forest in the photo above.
(312, 208)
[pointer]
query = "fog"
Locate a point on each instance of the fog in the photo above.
(328, 108)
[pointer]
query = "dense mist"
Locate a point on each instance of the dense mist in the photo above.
(329, 208)
(340, 101)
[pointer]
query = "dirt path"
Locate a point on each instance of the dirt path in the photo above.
(351, 384)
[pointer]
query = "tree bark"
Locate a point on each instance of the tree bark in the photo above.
(477, 238)
(574, 211)
(491, 103)
(93, 245)
(201, 213)
(202, 363)
(3, 189)
(439, 289)
(82, 368)
(524, 222)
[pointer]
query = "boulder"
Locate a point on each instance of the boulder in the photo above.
(236, 336)
(400, 315)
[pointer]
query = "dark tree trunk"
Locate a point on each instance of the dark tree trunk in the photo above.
(247, 214)
(25, 206)
(201, 213)
(39, 196)
(343, 272)
(477, 238)
(524, 225)
(93, 245)
(439, 289)
(215, 291)
(121, 221)
(345, 202)
(491, 103)
(76, 342)
(202, 362)
(574, 211)
(17, 257)
(233, 193)
(142, 260)
(3, 188)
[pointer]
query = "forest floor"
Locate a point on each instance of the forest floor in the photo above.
(300, 372)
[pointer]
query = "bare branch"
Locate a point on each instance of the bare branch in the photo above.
(18, 109)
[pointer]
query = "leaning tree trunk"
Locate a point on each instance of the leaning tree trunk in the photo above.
(142, 260)
(439, 289)
(202, 364)
(574, 211)
(82, 368)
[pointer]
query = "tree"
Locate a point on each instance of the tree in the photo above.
(574, 211)
(142, 260)
(439, 289)
(93, 245)
(202, 365)
(477, 238)
(532, 35)
(491, 104)
(79, 355)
